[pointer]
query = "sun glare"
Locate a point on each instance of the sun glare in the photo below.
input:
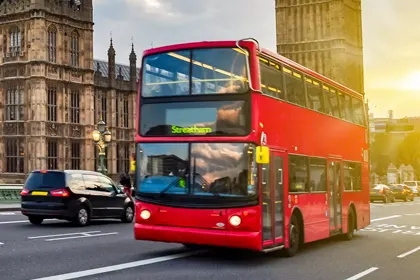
(412, 82)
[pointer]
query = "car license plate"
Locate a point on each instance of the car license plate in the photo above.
(40, 193)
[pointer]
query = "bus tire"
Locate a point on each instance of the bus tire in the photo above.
(294, 237)
(351, 222)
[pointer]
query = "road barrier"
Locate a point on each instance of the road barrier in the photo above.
(10, 193)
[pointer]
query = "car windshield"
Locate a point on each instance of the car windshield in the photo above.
(397, 187)
(198, 169)
(195, 72)
(410, 184)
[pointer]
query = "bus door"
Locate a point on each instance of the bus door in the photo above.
(272, 199)
(335, 194)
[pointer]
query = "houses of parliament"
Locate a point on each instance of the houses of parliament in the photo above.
(53, 91)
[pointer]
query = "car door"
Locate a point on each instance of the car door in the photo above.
(95, 195)
(114, 203)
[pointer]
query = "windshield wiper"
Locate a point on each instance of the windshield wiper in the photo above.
(162, 192)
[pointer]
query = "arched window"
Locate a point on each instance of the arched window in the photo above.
(14, 39)
(74, 49)
(52, 43)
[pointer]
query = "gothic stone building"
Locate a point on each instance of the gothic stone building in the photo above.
(53, 92)
(323, 35)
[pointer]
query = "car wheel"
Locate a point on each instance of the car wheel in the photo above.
(82, 217)
(128, 215)
(36, 220)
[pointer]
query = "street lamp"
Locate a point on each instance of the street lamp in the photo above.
(101, 137)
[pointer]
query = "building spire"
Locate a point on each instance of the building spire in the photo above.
(111, 50)
(133, 56)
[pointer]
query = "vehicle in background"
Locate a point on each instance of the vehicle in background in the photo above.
(414, 186)
(234, 148)
(73, 195)
(402, 191)
(381, 192)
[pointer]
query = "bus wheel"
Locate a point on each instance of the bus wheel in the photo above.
(294, 238)
(350, 226)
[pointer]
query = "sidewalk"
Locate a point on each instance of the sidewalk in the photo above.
(9, 207)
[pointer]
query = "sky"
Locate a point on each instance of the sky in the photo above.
(391, 37)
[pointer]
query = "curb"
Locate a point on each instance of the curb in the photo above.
(11, 208)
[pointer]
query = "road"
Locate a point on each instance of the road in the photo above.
(388, 249)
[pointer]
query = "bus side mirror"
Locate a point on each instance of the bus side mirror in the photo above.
(263, 154)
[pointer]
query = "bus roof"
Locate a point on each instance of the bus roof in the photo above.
(278, 57)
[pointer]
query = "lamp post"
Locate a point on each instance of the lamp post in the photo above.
(102, 137)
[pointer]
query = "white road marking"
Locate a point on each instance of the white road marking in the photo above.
(82, 236)
(385, 218)
(14, 222)
(361, 274)
(7, 213)
(63, 234)
(1, 243)
(408, 253)
(117, 267)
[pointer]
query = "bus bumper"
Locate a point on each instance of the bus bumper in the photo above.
(219, 238)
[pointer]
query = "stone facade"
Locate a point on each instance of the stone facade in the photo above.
(53, 92)
(323, 35)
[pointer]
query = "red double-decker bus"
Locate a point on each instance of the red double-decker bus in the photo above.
(240, 147)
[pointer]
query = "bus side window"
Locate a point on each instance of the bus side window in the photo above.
(298, 174)
(359, 116)
(271, 80)
(295, 88)
(314, 91)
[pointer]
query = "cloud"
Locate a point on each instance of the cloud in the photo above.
(391, 39)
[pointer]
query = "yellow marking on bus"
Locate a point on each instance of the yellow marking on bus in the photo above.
(263, 59)
(240, 51)
(297, 75)
(207, 66)
(287, 70)
(195, 80)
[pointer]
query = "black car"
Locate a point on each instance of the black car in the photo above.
(73, 195)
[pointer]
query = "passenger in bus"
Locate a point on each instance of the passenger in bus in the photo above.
(235, 85)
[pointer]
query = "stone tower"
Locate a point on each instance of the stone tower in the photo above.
(323, 35)
(46, 77)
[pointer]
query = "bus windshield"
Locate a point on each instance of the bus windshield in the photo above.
(194, 72)
(219, 170)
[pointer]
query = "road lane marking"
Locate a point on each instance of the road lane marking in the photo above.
(82, 236)
(1, 243)
(7, 213)
(63, 234)
(385, 218)
(122, 266)
(361, 274)
(14, 222)
(408, 253)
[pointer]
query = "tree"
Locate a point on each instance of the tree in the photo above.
(381, 153)
(409, 151)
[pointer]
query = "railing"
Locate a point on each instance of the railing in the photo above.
(10, 193)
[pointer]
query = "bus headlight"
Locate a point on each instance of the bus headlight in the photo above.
(145, 214)
(235, 221)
